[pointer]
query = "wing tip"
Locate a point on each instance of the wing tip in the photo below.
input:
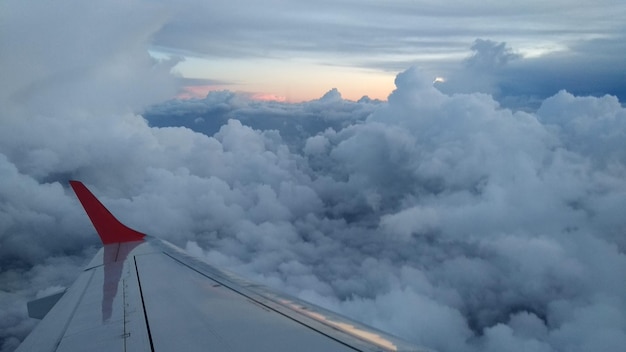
(107, 226)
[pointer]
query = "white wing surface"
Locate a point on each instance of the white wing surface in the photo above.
(140, 293)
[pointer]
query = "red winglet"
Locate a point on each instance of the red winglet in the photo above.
(107, 226)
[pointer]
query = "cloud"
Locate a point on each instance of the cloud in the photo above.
(443, 218)
(486, 218)
(489, 55)
(54, 55)
(522, 82)
(491, 211)
(368, 31)
(294, 122)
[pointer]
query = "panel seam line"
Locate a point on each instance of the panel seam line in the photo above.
(143, 304)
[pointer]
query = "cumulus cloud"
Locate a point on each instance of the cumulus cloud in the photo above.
(453, 207)
(443, 218)
(482, 70)
(523, 83)
(489, 55)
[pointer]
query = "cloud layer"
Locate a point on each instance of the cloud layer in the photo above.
(443, 218)
(579, 48)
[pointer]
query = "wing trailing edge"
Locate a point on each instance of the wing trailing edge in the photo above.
(108, 227)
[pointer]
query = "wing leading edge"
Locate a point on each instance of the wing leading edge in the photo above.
(140, 293)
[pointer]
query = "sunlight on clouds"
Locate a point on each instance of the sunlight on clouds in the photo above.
(159, 55)
(535, 51)
(294, 80)
(190, 92)
(268, 97)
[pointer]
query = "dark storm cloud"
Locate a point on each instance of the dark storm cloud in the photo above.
(590, 68)
(594, 68)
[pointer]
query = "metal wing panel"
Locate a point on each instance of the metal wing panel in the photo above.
(102, 311)
(109, 317)
(49, 332)
(188, 311)
(152, 296)
(327, 325)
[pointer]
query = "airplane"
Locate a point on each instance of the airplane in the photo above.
(140, 293)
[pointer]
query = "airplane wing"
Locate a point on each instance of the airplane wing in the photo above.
(140, 293)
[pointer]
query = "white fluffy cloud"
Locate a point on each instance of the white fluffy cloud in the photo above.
(445, 219)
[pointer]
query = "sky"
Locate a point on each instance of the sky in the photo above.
(482, 211)
(297, 50)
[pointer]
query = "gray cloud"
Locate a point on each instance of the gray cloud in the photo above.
(589, 69)
(369, 27)
(489, 55)
(485, 218)
(442, 218)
